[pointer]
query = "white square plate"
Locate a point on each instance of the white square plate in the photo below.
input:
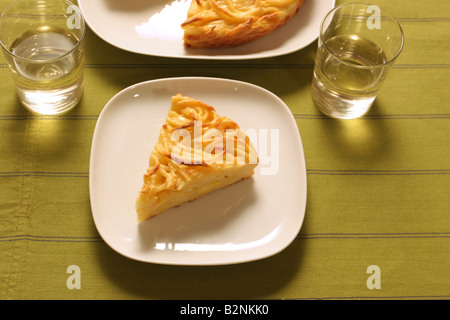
(153, 27)
(249, 220)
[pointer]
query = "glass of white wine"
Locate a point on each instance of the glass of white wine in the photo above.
(43, 42)
(357, 46)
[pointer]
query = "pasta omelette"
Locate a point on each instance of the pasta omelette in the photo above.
(229, 23)
(197, 152)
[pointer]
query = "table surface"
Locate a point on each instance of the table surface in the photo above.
(377, 221)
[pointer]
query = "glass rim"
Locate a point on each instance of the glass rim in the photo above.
(391, 17)
(79, 41)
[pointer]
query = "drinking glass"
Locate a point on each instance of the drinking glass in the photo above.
(357, 46)
(43, 42)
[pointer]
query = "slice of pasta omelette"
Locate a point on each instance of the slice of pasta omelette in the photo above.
(230, 23)
(197, 152)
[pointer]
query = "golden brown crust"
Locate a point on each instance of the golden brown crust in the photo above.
(229, 23)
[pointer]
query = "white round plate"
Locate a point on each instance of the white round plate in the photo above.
(250, 220)
(153, 28)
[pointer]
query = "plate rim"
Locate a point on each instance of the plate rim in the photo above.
(252, 56)
(93, 160)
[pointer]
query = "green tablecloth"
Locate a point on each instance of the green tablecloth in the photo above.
(378, 186)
